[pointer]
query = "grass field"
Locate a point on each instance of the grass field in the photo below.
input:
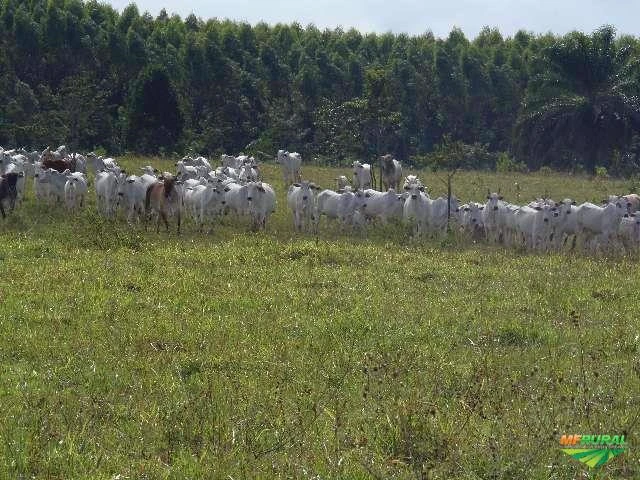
(127, 354)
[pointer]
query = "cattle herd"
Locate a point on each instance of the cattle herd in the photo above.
(203, 193)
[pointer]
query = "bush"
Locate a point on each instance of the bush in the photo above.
(601, 172)
(506, 164)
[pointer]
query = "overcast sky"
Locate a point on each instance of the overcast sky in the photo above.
(416, 16)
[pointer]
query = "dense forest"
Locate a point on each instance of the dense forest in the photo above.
(83, 74)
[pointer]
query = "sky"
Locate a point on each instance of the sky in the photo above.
(415, 16)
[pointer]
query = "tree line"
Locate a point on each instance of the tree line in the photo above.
(84, 74)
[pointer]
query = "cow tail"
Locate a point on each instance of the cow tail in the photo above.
(373, 175)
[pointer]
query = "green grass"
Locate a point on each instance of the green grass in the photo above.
(275, 355)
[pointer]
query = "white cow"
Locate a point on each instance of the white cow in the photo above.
(185, 172)
(410, 181)
(107, 188)
(629, 231)
(301, 200)
(382, 205)
(566, 223)
(471, 219)
(204, 202)
(439, 209)
(261, 203)
(362, 176)
(342, 182)
(235, 198)
(598, 225)
(290, 164)
(535, 225)
(75, 190)
(491, 217)
(340, 205)
(391, 172)
(416, 209)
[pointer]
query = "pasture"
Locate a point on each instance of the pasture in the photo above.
(127, 354)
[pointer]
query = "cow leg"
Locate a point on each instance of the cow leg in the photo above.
(2, 210)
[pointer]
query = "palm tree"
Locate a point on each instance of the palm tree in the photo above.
(585, 102)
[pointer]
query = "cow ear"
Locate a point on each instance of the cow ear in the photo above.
(573, 203)
(407, 188)
(227, 189)
(466, 209)
(488, 197)
(500, 197)
(481, 208)
(537, 208)
(557, 204)
(261, 188)
(296, 184)
(626, 215)
(421, 188)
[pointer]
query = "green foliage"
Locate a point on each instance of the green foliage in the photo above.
(505, 164)
(601, 172)
(83, 74)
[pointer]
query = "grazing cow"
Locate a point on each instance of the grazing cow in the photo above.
(301, 200)
(290, 164)
(8, 192)
(75, 189)
(163, 200)
(598, 224)
(382, 205)
(362, 176)
(391, 172)
(261, 203)
(416, 209)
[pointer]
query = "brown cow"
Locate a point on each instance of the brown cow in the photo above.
(50, 161)
(163, 199)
